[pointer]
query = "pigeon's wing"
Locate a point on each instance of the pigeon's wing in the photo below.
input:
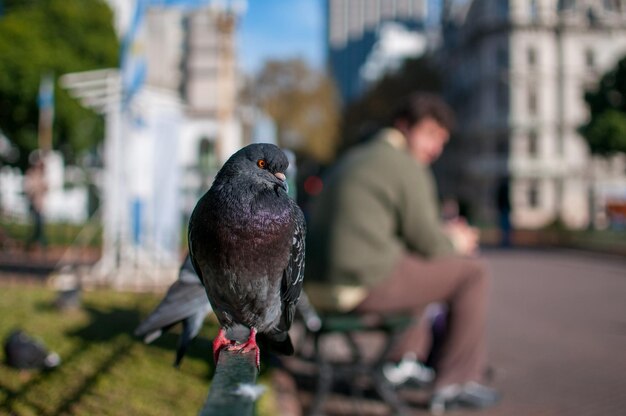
(181, 301)
(293, 274)
(191, 328)
(192, 261)
(188, 272)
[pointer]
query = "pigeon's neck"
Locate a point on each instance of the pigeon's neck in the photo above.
(241, 198)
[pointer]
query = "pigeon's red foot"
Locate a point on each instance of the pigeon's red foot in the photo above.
(248, 346)
(219, 343)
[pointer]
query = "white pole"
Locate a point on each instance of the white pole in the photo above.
(111, 192)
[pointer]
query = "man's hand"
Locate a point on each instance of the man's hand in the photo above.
(464, 238)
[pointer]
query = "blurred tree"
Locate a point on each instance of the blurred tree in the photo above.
(303, 104)
(606, 130)
(57, 36)
(372, 110)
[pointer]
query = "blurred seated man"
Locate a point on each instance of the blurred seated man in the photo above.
(377, 244)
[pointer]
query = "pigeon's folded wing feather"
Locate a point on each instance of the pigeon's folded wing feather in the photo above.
(181, 301)
(293, 274)
(192, 260)
(188, 272)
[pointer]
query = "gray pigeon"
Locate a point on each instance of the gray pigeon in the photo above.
(246, 241)
(186, 302)
(23, 351)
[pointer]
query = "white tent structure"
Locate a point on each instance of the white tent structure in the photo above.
(152, 139)
(140, 215)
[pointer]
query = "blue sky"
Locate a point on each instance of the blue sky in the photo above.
(286, 29)
(281, 29)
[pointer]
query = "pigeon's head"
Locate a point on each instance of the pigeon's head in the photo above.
(262, 163)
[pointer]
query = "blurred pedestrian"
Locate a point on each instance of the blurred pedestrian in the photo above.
(503, 201)
(377, 244)
(36, 188)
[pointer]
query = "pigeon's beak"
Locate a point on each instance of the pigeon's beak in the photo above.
(283, 180)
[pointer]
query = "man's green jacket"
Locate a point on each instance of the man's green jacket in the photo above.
(378, 203)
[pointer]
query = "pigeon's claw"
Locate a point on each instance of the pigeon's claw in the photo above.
(219, 343)
(249, 345)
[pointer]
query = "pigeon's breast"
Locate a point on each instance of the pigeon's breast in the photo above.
(248, 263)
(262, 240)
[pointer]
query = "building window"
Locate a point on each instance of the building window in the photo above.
(560, 142)
(592, 16)
(612, 5)
(533, 144)
(502, 58)
(532, 57)
(207, 159)
(590, 59)
(503, 8)
(533, 194)
(502, 145)
(532, 100)
(534, 11)
(502, 98)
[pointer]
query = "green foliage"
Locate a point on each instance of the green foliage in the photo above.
(52, 36)
(606, 130)
(302, 102)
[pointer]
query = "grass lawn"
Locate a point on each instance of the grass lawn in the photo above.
(104, 369)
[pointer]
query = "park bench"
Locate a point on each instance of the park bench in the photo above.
(363, 367)
(360, 370)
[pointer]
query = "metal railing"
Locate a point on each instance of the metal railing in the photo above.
(233, 390)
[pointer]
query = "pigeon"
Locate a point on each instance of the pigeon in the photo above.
(186, 302)
(246, 241)
(67, 283)
(68, 299)
(25, 352)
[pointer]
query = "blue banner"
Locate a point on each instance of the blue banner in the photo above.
(45, 98)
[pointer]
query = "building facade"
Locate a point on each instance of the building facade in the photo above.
(352, 31)
(517, 72)
(193, 53)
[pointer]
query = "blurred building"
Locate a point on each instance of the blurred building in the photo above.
(353, 30)
(193, 52)
(517, 71)
(166, 133)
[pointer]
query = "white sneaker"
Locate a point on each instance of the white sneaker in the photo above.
(408, 370)
(470, 395)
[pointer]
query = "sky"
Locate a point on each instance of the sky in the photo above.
(281, 29)
(286, 29)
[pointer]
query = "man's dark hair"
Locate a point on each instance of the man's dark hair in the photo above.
(421, 105)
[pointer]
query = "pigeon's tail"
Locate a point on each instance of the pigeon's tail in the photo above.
(180, 353)
(191, 328)
(151, 336)
(280, 342)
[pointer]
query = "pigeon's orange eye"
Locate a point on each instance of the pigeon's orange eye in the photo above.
(261, 163)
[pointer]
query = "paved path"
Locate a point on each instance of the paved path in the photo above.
(557, 334)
